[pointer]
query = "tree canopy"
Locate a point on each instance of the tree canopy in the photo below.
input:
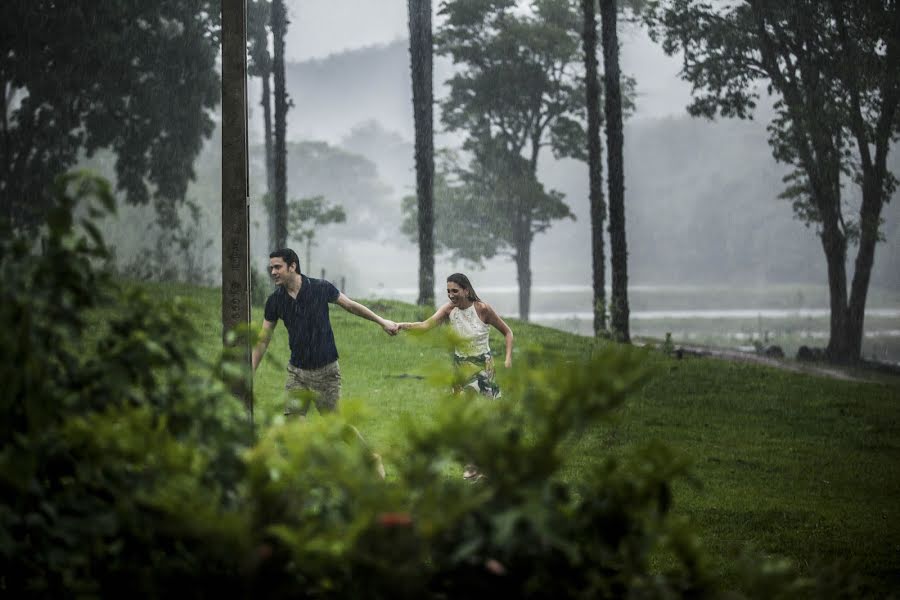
(833, 76)
(138, 78)
(471, 229)
(520, 89)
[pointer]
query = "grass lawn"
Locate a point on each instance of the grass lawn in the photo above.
(796, 465)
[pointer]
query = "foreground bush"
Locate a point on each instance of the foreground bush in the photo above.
(125, 468)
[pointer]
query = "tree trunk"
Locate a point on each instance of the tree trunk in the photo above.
(870, 217)
(5, 192)
(619, 312)
(874, 168)
(420, 50)
(522, 243)
(595, 165)
(266, 102)
(279, 29)
(834, 243)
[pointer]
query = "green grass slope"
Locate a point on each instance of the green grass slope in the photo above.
(795, 465)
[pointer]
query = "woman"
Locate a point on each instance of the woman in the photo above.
(471, 319)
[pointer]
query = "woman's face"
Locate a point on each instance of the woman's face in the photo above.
(456, 292)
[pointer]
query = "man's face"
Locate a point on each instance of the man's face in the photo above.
(279, 270)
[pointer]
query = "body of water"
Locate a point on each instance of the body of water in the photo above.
(728, 316)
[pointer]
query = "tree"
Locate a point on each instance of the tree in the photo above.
(280, 211)
(137, 78)
(470, 229)
(595, 166)
(307, 215)
(519, 90)
(834, 76)
(614, 142)
(345, 178)
(420, 52)
(259, 20)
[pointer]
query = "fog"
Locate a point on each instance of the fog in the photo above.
(702, 204)
(701, 196)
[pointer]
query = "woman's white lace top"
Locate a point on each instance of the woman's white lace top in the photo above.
(473, 330)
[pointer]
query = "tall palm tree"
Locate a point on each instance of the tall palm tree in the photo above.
(420, 53)
(619, 312)
(259, 22)
(279, 29)
(595, 165)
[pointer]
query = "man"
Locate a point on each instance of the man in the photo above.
(301, 302)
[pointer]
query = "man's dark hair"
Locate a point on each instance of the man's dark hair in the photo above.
(288, 256)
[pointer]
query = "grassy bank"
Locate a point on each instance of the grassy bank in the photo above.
(795, 465)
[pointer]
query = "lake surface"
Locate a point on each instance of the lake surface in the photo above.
(731, 316)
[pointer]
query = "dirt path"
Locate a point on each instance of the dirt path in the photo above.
(796, 367)
(862, 374)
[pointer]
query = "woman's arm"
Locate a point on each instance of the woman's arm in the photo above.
(432, 321)
(492, 318)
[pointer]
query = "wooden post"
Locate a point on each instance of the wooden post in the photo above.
(235, 193)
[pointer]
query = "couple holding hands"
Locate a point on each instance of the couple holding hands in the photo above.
(301, 302)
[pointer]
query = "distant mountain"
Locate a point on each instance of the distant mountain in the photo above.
(333, 94)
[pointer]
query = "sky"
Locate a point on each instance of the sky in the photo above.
(322, 27)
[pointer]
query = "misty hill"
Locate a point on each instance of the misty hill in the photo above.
(333, 94)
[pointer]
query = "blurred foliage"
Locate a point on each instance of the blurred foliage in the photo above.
(124, 468)
(108, 481)
(138, 78)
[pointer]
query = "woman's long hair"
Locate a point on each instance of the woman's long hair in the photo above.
(463, 282)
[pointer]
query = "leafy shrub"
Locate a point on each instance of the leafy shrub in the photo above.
(109, 477)
(124, 468)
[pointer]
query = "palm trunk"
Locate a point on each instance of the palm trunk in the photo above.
(595, 165)
(5, 192)
(266, 103)
(279, 27)
(619, 311)
(420, 50)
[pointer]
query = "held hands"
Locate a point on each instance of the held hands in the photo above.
(390, 327)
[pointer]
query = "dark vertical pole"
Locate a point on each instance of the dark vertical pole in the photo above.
(235, 192)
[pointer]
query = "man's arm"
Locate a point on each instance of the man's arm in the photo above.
(263, 344)
(359, 310)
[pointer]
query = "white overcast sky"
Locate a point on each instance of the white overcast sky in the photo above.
(322, 27)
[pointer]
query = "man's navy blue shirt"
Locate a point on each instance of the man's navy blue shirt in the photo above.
(309, 329)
